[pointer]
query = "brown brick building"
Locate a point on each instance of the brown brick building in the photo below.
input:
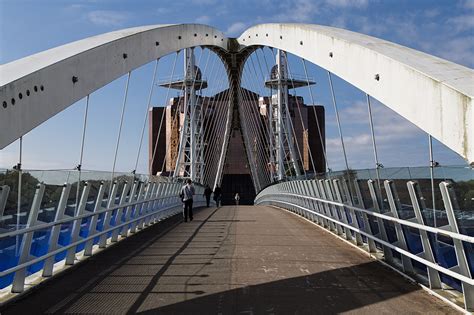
(236, 169)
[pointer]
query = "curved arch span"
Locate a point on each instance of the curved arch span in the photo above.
(434, 94)
(54, 79)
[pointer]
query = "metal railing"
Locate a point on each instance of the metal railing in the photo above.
(434, 246)
(43, 233)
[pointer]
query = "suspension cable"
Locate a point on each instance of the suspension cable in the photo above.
(251, 120)
(262, 133)
(377, 164)
(269, 129)
(331, 87)
(271, 101)
(214, 130)
(254, 126)
(301, 118)
(163, 115)
(323, 146)
(286, 131)
(172, 118)
(187, 121)
(267, 125)
(247, 145)
(79, 166)
(433, 164)
(148, 107)
(120, 127)
(18, 207)
(292, 125)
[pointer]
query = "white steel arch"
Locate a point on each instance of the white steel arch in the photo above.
(35, 88)
(433, 93)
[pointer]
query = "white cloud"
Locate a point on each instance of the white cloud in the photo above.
(459, 50)
(204, 19)
(204, 2)
(432, 13)
(469, 4)
(297, 11)
(462, 22)
(163, 10)
(348, 3)
(236, 28)
(107, 18)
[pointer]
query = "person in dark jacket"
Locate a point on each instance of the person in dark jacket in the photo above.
(217, 195)
(207, 194)
(186, 194)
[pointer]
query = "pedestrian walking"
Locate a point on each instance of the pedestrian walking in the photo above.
(187, 193)
(237, 199)
(217, 195)
(207, 194)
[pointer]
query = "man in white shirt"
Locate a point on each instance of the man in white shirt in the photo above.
(187, 192)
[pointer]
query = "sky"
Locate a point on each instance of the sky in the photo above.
(442, 28)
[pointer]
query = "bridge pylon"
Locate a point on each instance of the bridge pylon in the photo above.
(190, 160)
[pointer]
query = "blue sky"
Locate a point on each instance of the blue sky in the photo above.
(442, 28)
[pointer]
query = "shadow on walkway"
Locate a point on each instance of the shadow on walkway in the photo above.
(230, 260)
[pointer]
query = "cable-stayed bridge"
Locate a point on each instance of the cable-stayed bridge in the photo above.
(238, 121)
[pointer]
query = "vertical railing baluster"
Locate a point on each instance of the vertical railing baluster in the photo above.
(374, 193)
(354, 219)
(4, 192)
(395, 207)
(365, 218)
(118, 215)
(333, 210)
(56, 230)
(342, 214)
(108, 214)
(433, 274)
(19, 279)
(141, 197)
(76, 226)
(128, 210)
(449, 197)
(95, 218)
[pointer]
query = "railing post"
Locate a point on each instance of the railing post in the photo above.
(368, 229)
(149, 196)
(53, 239)
(447, 192)
(388, 255)
(19, 279)
(4, 191)
(342, 211)
(93, 226)
(317, 205)
(128, 210)
(141, 197)
(309, 203)
(118, 215)
(354, 220)
(329, 224)
(153, 204)
(76, 226)
(333, 210)
(395, 207)
(433, 274)
(108, 214)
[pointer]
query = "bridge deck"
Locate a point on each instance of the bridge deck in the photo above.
(231, 260)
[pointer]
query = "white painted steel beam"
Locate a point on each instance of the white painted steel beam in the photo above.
(92, 62)
(434, 94)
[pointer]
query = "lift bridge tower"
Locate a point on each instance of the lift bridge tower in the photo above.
(283, 155)
(190, 159)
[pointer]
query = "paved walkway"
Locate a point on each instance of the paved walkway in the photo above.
(232, 260)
